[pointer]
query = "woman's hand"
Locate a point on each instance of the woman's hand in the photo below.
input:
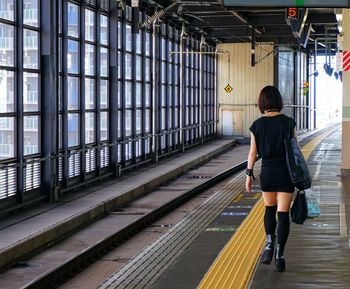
(248, 184)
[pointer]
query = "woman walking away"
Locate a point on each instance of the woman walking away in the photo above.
(267, 139)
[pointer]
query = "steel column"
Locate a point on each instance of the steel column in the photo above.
(113, 86)
(155, 93)
(82, 94)
(181, 98)
(98, 90)
(133, 88)
(315, 86)
(19, 102)
(201, 75)
(49, 88)
(64, 104)
(122, 90)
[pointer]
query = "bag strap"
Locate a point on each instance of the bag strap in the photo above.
(290, 128)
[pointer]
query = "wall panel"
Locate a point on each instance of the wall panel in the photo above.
(286, 79)
(234, 68)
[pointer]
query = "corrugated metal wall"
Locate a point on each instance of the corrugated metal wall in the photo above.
(234, 68)
(301, 99)
(292, 74)
(286, 79)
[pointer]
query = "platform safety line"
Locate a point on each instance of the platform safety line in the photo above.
(311, 145)
(234, 266)
(342, 221)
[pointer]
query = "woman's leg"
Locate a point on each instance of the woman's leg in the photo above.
(270, 200)
(283, 205)
(270, 225)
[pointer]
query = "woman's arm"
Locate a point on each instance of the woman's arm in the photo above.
(251, 161)
(252, 152)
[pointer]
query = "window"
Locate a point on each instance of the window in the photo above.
(73, 129)
(30, 13)
(7, 137)
(86, 84)
(7, 88)
(6, 9)
(31, 135)
(84, 96)
(6, 45)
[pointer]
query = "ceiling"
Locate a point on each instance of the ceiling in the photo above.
(221, 24)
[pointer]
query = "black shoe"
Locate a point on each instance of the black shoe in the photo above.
(280, 262)
(267, 254)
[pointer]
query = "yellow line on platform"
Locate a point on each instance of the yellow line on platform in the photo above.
(310, 146)
(234, 266)
(342, 221)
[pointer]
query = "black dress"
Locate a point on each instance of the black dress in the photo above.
(269, 133)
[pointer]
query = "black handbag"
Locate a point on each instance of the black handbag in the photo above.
(296, 164)
(298, 211)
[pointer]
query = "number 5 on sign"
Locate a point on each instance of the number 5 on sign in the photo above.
(292, 13)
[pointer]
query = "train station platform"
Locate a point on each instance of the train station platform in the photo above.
(26, 231)
(318, 252)
(219, 251)
(226, 255)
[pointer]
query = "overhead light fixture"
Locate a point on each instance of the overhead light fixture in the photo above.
(122, 4)
(328, 69)
(339, 15)
(336, 75)
(156, 16)
(203, 42)
(340, 42)
(315, 73)
(183, 34)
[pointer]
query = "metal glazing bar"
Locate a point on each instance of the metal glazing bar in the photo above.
(190, 96)
(315, 87)
(201, 89)
(19, 103)
(142, 32)
(64, 92)
(122, 88)
(74, 151)
(173, 96)
(82, 92)
(113, 85)
(181, 94)
(215, 96)
(133, 86)
(168, 100)
(155, 92)
(97, 89)
(49, 90)
(196, 52)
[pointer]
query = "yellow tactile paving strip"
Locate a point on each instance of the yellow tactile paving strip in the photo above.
(234, 266)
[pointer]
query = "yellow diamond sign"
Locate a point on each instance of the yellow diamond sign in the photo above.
(228, 88)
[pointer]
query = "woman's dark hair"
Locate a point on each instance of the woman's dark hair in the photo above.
(270, 99)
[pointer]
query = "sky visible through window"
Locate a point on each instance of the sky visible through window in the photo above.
(329, 94)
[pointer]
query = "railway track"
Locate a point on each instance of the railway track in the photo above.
(60, 262)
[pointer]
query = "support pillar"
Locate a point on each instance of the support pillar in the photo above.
(49, 97)
(346, 99)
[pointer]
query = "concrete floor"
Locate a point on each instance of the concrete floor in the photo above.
(317, 253)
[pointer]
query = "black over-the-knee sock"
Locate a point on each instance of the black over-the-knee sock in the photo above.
(283, 228)
(270, 219)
